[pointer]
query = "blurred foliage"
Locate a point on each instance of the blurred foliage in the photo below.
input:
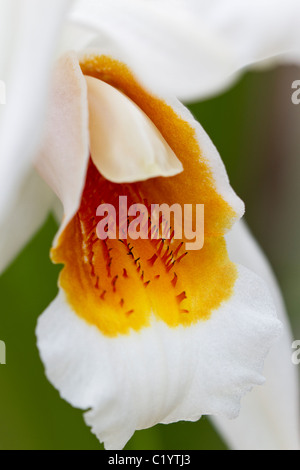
(253, 126)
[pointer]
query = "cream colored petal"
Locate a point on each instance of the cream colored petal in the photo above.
(125, 144)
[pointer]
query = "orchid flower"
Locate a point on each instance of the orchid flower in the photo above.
(143, 332)
(132, 334)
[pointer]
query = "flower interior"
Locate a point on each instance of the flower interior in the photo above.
(122, 285)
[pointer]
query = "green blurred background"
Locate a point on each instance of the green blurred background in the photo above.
(255, 128)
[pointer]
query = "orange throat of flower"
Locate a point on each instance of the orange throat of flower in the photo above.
(120, 285)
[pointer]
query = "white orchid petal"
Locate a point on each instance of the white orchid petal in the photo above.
(7, 18)
(160, 374)
(125, 144)
(35, 26)
(191, 48)
(64, 155)
(256, 30)
(168, 48)
(75, 38)
(269, 416)
(30, 212)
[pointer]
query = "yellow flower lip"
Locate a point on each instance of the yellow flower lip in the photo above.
(121, 285)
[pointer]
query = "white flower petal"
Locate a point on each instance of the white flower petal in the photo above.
(35, 202)
(125, 144)
(168, 48)
(190, 48)
(159, 374)
(64, 156)
(269, 416)
(31, 31)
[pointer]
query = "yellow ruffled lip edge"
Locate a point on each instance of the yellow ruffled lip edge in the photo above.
(120, 286)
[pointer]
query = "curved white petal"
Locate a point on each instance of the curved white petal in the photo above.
(29, 38)
(159, 374)
(269, 416)
(36, 201)
(64, 155)
(190, 48)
